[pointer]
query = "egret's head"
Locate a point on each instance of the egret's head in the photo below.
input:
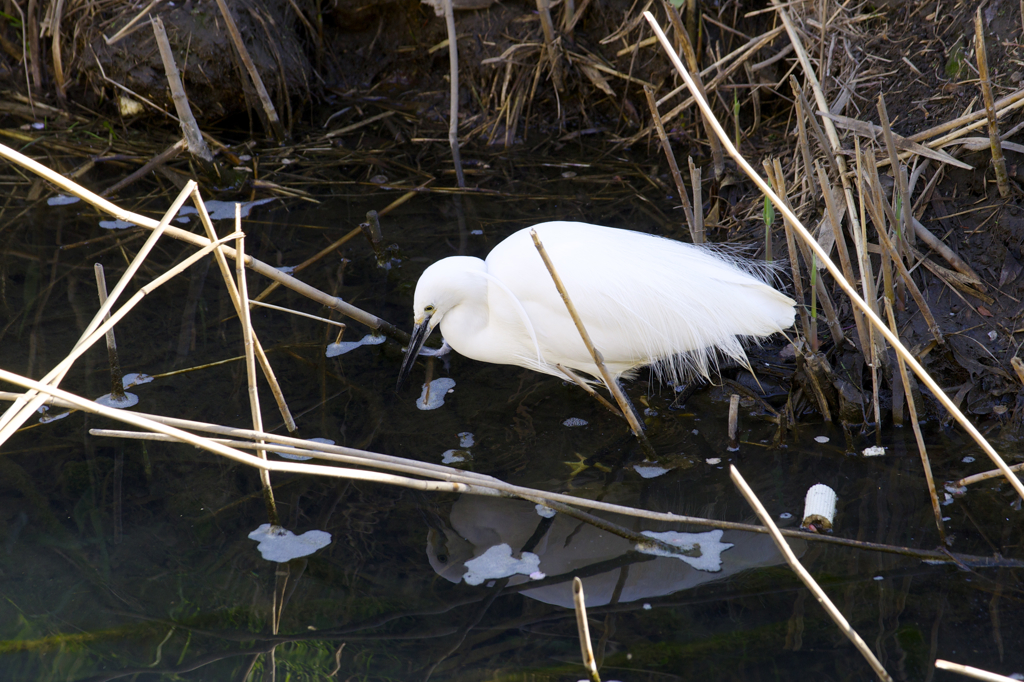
(441, 287)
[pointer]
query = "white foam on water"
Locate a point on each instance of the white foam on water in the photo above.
(433, 395)
(280, 545)
(224, 210)
(497, 562)
(711, 548)
(130, 400)
(650, 471)
(303, 458)
(342, 347)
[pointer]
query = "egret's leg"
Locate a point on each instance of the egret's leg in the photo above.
(629, 403)
(586, 387)
(688, 390)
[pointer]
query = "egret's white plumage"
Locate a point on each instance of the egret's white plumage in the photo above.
(645, 300)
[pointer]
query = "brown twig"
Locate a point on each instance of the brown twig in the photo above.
(698, 202)
(453, 110)
(915, 423)
(677, 177)
(273, 122)
(547, 26)
(116, 377)
(998, 162)
(157, 161)
(844, 253)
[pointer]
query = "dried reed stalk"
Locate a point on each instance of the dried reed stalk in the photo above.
(609, 381)
(794, 260)
(968, 671)
(836, 273)
(55, 42)
(804, 144)
(273, 122)
(116, 377)
(456, 481)
(844, 253)
(142, 422)
(453, 110)
(819, 97)
(739, 56)
(548, 28)
(586, 649)
(806, 578)
(998, 162)
(698, 202)
(902, 143)
(237, 301)
(262, 268)
(915, 423)
(189, 127)
(819, 289)
(129, 28)
(250, 364)
(915, 292)
(682, 35)
(969, 122)
(677, 177)
(734, 422)
(157, 161)
(16, 415)
(589, 389)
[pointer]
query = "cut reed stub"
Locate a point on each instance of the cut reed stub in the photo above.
(819, 508)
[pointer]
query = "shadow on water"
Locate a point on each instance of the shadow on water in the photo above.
(131, 559)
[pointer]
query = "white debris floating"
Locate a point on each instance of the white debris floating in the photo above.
(710, 545)
(819, 507)
(873, 451)
(117, 224)
(280, 545)
(544, 511)
(650, 470)
(434, 393)
(342, 347)
(572, 422)
(497, 562)
(302, 458)
(108, 400)
(224, 210)
(455, 456)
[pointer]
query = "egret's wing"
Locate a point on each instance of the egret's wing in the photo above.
(643, 299)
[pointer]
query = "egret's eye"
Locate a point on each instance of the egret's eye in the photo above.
(429, 309)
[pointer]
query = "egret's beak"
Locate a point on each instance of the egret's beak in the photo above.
(419, 335)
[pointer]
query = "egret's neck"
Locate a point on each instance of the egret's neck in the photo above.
(466, 292)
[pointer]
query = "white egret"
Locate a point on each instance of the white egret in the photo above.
(645, 300)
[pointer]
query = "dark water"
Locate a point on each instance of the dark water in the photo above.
(130, 559)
